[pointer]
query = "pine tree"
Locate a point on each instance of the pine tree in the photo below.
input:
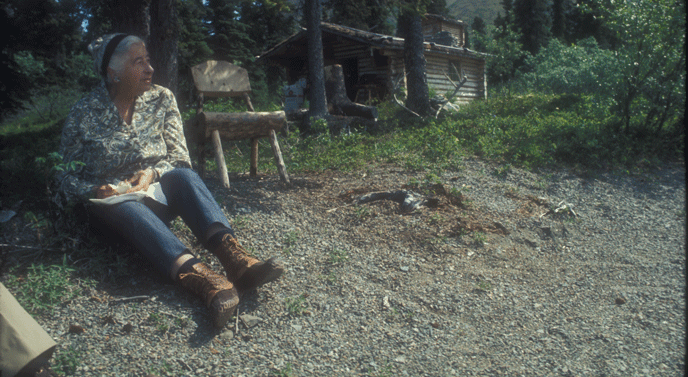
(229, 37)
(437, 7)
(193, 47)
(477, 30)
(368, 15)
(268, 22)
(584, 21)
(533, 19)
(351, 13)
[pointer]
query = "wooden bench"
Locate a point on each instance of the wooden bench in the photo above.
(223, 79)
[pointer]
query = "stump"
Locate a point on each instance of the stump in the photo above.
(337, 101)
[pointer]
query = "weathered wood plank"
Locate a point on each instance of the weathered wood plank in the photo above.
(220, 79)
(243, 125)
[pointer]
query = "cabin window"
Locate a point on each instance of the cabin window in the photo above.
(379, 59)
(453, 71)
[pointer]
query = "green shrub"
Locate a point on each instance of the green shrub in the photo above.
(583, 68)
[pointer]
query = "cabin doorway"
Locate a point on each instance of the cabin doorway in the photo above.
(350, 68)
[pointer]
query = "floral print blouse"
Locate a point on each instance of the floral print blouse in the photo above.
(95, 134)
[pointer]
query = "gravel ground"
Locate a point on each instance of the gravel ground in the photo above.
(512, 273)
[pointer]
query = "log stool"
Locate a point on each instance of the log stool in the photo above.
(223, 79)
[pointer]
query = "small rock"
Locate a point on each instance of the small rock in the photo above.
(76, 329)
(620, 301)
(297, 327)
(227, 335)
(404, 268)
(385, 302)
(401, 359)
(249, 320)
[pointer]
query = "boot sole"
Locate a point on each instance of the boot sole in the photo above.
(259, 274)
(222, 315)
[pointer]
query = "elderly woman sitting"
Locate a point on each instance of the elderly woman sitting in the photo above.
(129, 130)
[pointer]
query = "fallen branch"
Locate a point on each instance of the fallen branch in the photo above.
(396, 100)
(133, 298)
(457, 87)
(404, 107)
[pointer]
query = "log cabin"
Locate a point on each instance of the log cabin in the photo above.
(374, 63)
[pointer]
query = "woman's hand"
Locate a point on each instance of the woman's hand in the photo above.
(141, 180)
(105, 191)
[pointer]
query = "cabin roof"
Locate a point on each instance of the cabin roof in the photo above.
(295, 45)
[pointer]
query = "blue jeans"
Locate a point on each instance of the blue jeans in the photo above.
(146, 225)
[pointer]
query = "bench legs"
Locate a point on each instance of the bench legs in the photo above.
(253, 171)
(220, 158)
(222, 166)
(278, 157)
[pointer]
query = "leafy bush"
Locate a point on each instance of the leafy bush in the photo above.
(583, 68)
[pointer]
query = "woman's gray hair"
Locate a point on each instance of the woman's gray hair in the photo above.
(118, 56)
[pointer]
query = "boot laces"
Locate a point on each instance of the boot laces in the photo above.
(238, 252)
(203, 281)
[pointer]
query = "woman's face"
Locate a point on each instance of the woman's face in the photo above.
(137, 74)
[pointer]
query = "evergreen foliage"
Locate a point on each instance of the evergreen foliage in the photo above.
(506, 49)
(478, 26)
(37, 48)
(368, 15)
(228, 37)
(532, 18)
(193, 46)
(437, 7)
(269, 22)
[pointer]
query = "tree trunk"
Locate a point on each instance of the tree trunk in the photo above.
(162, 45)
(418, 99)
(132, 17)
(316, 65)
(338, 102)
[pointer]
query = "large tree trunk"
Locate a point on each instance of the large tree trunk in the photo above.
(155, 21)
(162, 45)
(316, 65)
(338, 102)
(132, 17)
(418, 99)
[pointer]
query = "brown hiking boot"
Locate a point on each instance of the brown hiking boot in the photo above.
(219, 294)
(242, 269)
